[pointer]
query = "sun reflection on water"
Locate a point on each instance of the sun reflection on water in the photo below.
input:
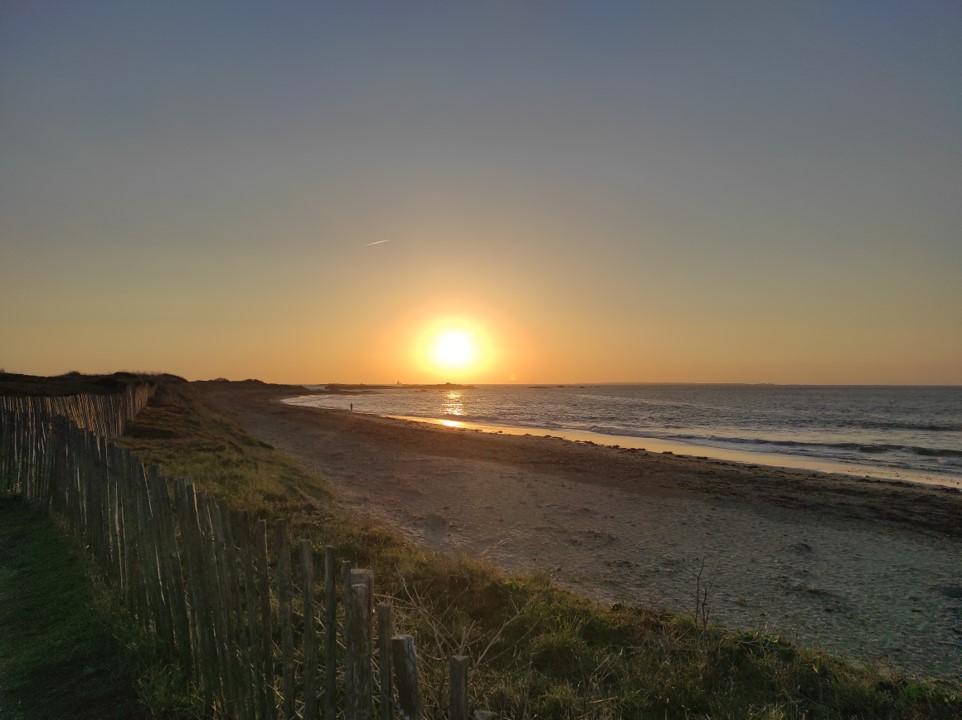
(451, 403)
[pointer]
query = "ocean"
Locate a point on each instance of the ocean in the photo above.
(910, 433)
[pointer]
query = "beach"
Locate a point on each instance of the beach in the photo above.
(867, 569)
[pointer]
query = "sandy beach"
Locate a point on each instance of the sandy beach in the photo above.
(868, 569)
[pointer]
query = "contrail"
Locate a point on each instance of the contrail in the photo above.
(376, 242)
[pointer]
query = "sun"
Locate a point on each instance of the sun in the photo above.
(454, 349)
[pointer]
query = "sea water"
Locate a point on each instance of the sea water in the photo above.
(912, 433)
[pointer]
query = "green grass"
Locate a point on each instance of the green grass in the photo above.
(539, 652)
(63, 651)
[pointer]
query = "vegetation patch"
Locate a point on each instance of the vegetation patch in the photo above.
(74, 383)
(64, 650)
(184, 437)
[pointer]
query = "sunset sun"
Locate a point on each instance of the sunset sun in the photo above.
(454, 350)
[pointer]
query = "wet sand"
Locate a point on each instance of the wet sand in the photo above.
(868, 569)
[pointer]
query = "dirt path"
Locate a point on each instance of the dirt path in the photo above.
(870, 570)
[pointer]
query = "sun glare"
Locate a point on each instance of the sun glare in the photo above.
(454, 350)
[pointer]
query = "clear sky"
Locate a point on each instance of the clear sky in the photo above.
(758, 192)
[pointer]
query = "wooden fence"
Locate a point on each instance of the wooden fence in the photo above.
(106, 415)
(263, 624)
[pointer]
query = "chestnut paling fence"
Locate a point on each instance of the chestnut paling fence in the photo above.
(265, 626)
(106, 415)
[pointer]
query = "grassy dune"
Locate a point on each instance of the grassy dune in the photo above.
(539, 652)
(73, 383)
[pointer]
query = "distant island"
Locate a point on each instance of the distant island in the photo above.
(346, 388)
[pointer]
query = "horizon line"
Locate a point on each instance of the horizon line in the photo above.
(517, 383)
(623, 382)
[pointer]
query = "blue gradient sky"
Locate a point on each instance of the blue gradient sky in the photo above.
(760, 192)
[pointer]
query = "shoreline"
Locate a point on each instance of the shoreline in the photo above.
(694, 450)
(674, 447)
(863, 568)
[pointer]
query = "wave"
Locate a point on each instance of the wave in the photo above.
(935, 452)
(759, 444)
(924, 427)
(866, 448)
(796, 423)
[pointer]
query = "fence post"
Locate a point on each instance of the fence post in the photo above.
(365, 577)
(405, 660)
(345, 573)
(358, 675)
(284, 610)
(459, 688)
(223, 556)
(266, 632)
(330, 634)
(310, 640)
(254, 675)
(385, 631)
(193, 568)
(174, 585)
(212, 576)
(235, 558)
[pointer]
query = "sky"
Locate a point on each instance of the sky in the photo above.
(703, 192)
